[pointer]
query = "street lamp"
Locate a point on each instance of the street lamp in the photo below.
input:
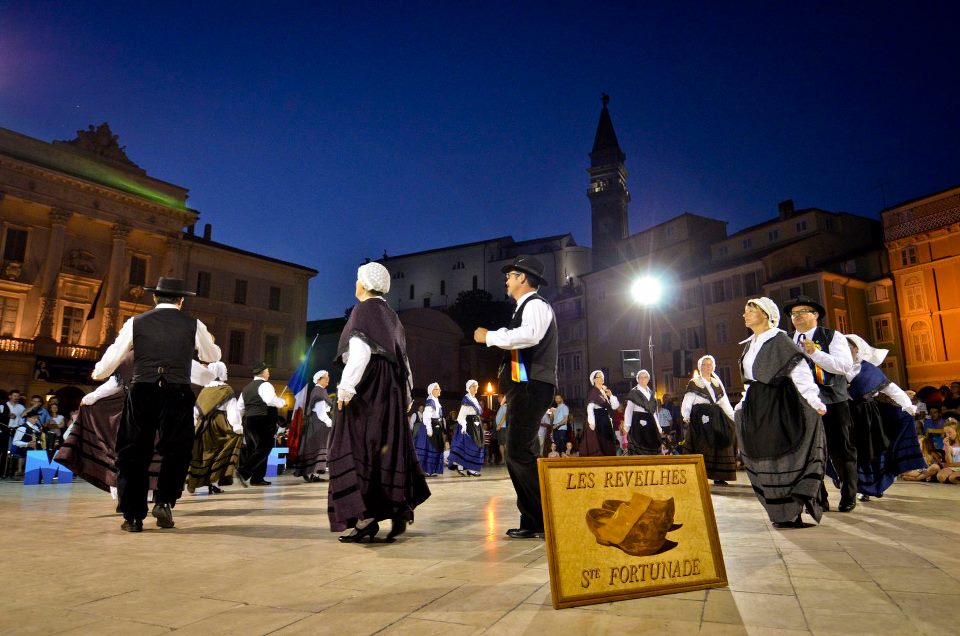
(646, 291)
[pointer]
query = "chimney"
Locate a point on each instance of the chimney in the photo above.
(206, 231)
(785, 209)
(190, 229)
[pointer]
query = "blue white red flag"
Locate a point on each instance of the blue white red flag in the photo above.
(299, 385)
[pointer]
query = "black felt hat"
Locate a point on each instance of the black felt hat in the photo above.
(260, 367)
(170, 288)
(805, 300)
(527, 265)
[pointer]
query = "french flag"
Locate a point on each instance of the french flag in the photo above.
(299, 385)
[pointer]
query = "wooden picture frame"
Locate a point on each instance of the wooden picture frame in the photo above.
(628, 527)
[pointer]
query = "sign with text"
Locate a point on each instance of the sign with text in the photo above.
(626, 527)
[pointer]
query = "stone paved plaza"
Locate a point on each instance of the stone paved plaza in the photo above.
(262, 561)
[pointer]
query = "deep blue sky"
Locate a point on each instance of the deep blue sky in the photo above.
(325, 132)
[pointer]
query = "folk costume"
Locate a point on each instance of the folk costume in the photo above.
(640, 420)
(218, 433)
(374, 473)
(883, 424)
(779, 432)
(599, 437)
(259, 406)
(311, 460)
(830, 364)
(528, 378)
(159, 402)
(428, 437)
(711, 430)
(467, 448)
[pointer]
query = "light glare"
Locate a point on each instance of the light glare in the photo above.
(646, 290)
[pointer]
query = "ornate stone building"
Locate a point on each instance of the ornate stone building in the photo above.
(922, 237)
(84, 229)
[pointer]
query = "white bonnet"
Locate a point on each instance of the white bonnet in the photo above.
(470, 383)
(866, 352)
(374, 277)
(593, 375)
(706, 357)
(219, 370)
(642, 372)
(768, 307)
(431, 388)
(319, 374)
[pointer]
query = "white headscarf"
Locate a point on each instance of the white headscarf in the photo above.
(593, 375)
(471, 382)
(374, 277)
(431, 388)
(639, 373)
(219, 370)
(698, 374)
(769, 308)
(319, 374)
(867, 353)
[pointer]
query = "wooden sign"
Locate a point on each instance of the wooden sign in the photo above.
(626, 527)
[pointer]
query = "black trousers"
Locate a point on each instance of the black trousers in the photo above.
(258, 438)
(838, 426)
(152, 410)
(526, 404)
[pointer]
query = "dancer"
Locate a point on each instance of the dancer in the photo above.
(528, 377)
(599, 437)
(639, 418)
(428, 439)
(374, 473)
(311, 462)
(160, 401)
(258, 405)
(778, 421)
(218, 434)
(708, 415)
(467, 449)
(828, 356)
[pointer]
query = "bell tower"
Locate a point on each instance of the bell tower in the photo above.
(608, 193)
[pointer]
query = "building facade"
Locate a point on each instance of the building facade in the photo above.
(84, 230)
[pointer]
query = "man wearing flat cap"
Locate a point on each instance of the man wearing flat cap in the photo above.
(528, 377)
(830, 359)
(258, 406)
(160, 401)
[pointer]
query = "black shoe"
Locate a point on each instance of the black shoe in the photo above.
(213, 490)
(847, 506)
(164, 515)
(262, 482)
(132, 525)
(369, 530)
(398, 525)
(863, 497)
(308, 478)
(783, 525)
(524, 533)
(720, 482)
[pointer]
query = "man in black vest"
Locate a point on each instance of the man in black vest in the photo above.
(528, 377)
(160, 400)
(829, 357)
(258, 405)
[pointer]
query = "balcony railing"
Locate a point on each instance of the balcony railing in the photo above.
(16, 345)
(76, 352)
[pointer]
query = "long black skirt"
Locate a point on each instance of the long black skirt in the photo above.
(312, 453)
(714, 439)
(373, 468)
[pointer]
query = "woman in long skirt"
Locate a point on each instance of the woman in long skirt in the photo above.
(708, 414)
(467, 449)
(374, 472)
(311, 461)
(779, 425)
(883, 414)
(640, 418)
(599, 438)
(218, 433)
(428, 439)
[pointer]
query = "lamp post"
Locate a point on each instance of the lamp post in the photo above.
(646, 291)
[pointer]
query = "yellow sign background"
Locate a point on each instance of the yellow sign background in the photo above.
(583, 571)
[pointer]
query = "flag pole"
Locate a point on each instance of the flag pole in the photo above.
(307, 353)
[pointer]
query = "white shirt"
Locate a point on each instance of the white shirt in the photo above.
(21, 431)
(468, 409)
(632, 408)
(108, 388)
(839, 361)
(614, 404)
(536, 319)
(322, 410)
(230, 407)
(689, 399)
(801, 375)
(16, 414)
(267, 393)
(892, 391)
(203, 341)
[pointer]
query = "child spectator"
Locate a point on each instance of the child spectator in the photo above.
(553, 450)
(950, 471)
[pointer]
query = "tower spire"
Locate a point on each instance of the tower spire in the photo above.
(608, 192)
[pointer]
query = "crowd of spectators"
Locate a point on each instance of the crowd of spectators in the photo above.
(29, 424)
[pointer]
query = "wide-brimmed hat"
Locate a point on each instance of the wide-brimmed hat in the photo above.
(170, 287)
(260, 367)
(527, 265)
(805, 300)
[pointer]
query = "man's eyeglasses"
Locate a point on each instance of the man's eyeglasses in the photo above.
(517, 274)
(800, 312)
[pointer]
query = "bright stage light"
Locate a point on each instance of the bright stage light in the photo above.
(646, 290)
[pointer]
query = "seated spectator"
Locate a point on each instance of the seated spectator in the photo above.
(933, 427)
(553, 450)
(952, 401)
(569, 452)
(950, 470)
(24, 438)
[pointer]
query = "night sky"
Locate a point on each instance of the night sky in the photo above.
(324, 133)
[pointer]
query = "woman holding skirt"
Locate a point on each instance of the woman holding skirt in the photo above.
(311, 460)
(218, 433)
(599, 438)
(374, 473)
(779, 427)
(640, 418)
(467, 449)
(707, 412)
(428, 439)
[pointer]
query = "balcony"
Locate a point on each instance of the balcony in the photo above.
(76, 352)
(16, 345)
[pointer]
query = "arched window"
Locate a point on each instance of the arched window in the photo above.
(913, 292)
(921, 341)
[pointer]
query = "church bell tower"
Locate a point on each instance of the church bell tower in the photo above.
(608, 193)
